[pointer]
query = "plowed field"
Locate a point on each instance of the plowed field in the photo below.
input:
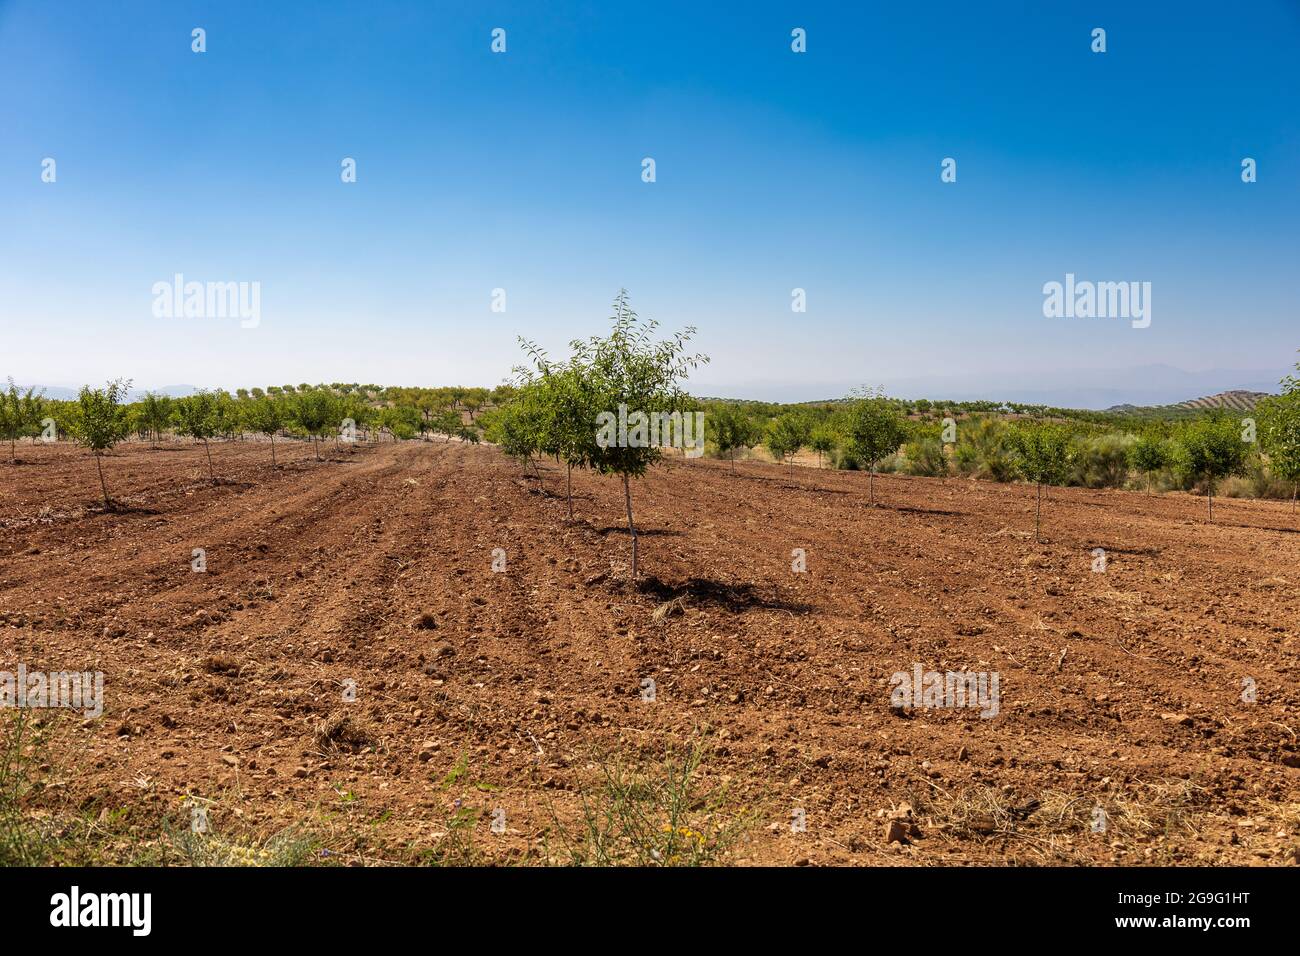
(351, 663)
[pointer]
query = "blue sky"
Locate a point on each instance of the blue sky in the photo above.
(522, 171)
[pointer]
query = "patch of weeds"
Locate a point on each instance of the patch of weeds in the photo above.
(288, 847)
(651, 816)
(25, 838)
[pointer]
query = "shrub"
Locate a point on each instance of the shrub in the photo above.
(1101, 461)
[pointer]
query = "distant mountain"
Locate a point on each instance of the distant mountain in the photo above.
(62, 393)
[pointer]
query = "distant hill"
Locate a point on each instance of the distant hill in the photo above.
(1238, 400)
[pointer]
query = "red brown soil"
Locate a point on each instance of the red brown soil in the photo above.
(1120, 689)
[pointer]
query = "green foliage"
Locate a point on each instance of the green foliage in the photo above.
(267, 415)
(20, 415)
(316, 412)
(786, 435)
(1101, 461)
(1210, 448)
(100, 420)
(1279, 434)
(196, 415)
(728, 427)
(1041, 450)
(982, 450)
(1150, 453)
(629, 369)
(156, 412)
(401, 421)
(875, 429)
(925, 457)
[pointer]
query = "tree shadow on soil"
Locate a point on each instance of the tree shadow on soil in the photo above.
(116, 507)
(640, 532)
(737, 598)
(912, 509)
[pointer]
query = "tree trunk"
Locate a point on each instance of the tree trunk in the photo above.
(733, 461)
(568, 487)
(1148, 484)
(13, 451)
(1209, 498)
(211, 474)
(872, 484)
(102, 487)
(273, 450)
(1038, 510)
(627, 495)
(1294, 489)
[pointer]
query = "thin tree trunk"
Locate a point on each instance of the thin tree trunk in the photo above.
(872, 484)
(273, 450)
(1209, 497)
(627, 495)
(13, 451)
(211, 474)
(1038, 510)
(1294, 489)
(733, 461)
(568, 487)
(102, 487)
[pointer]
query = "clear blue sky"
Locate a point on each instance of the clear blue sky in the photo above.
(523, 171)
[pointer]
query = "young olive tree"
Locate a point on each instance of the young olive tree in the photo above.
(156, 413)
(823, 441)
(1148, 455)
(1209, 449)
(630, 378)
(874, 430)
(785, 436)
(268, 416)
(99, 422)
(20, 416)
(1279, 420)
(730, 428)
(314, 409)
(1042, 455)
(559, 411)
(196, 416)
